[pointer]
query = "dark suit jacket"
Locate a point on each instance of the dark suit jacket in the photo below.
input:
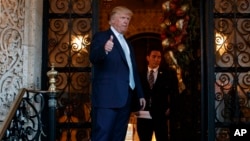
(165, 85)
(110, 74)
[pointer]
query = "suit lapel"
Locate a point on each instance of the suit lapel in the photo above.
(145, 76)
(119, 47)
(159, 76)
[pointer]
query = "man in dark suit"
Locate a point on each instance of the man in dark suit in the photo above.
(115, 79)
(158, 84)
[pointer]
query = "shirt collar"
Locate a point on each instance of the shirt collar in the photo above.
(115, 32)
(155, 69)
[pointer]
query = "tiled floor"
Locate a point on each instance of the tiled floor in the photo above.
(131, 133)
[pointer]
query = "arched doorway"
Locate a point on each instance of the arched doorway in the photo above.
(140, 43)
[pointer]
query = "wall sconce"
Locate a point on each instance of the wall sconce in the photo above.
(220, 43)
(80, 43)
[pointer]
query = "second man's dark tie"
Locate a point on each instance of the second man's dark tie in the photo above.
(151, 79)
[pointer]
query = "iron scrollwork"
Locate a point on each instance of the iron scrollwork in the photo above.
(26, 125)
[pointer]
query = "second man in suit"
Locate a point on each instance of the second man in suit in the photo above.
(158, 84)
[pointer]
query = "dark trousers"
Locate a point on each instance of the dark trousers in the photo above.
(146, 127)
(110, 124)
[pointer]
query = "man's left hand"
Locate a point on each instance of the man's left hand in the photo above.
(142, 103)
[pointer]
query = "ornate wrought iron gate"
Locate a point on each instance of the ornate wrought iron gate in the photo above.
(67, 32)
(231, 20)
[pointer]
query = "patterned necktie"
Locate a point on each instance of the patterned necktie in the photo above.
(127, 55)
(151, 79)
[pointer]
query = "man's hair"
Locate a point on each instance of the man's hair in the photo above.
(154, 48)
(120, 9)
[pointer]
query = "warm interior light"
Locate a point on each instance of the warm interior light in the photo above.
(220, 43)
(80, 43)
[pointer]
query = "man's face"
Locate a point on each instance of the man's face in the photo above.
(154, 59)
(120, 22)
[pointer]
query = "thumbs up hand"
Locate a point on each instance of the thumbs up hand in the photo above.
(109, 44)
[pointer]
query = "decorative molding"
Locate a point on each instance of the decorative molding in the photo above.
(145, 21)
(11, 53)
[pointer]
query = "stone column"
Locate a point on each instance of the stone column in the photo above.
(20, 48)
